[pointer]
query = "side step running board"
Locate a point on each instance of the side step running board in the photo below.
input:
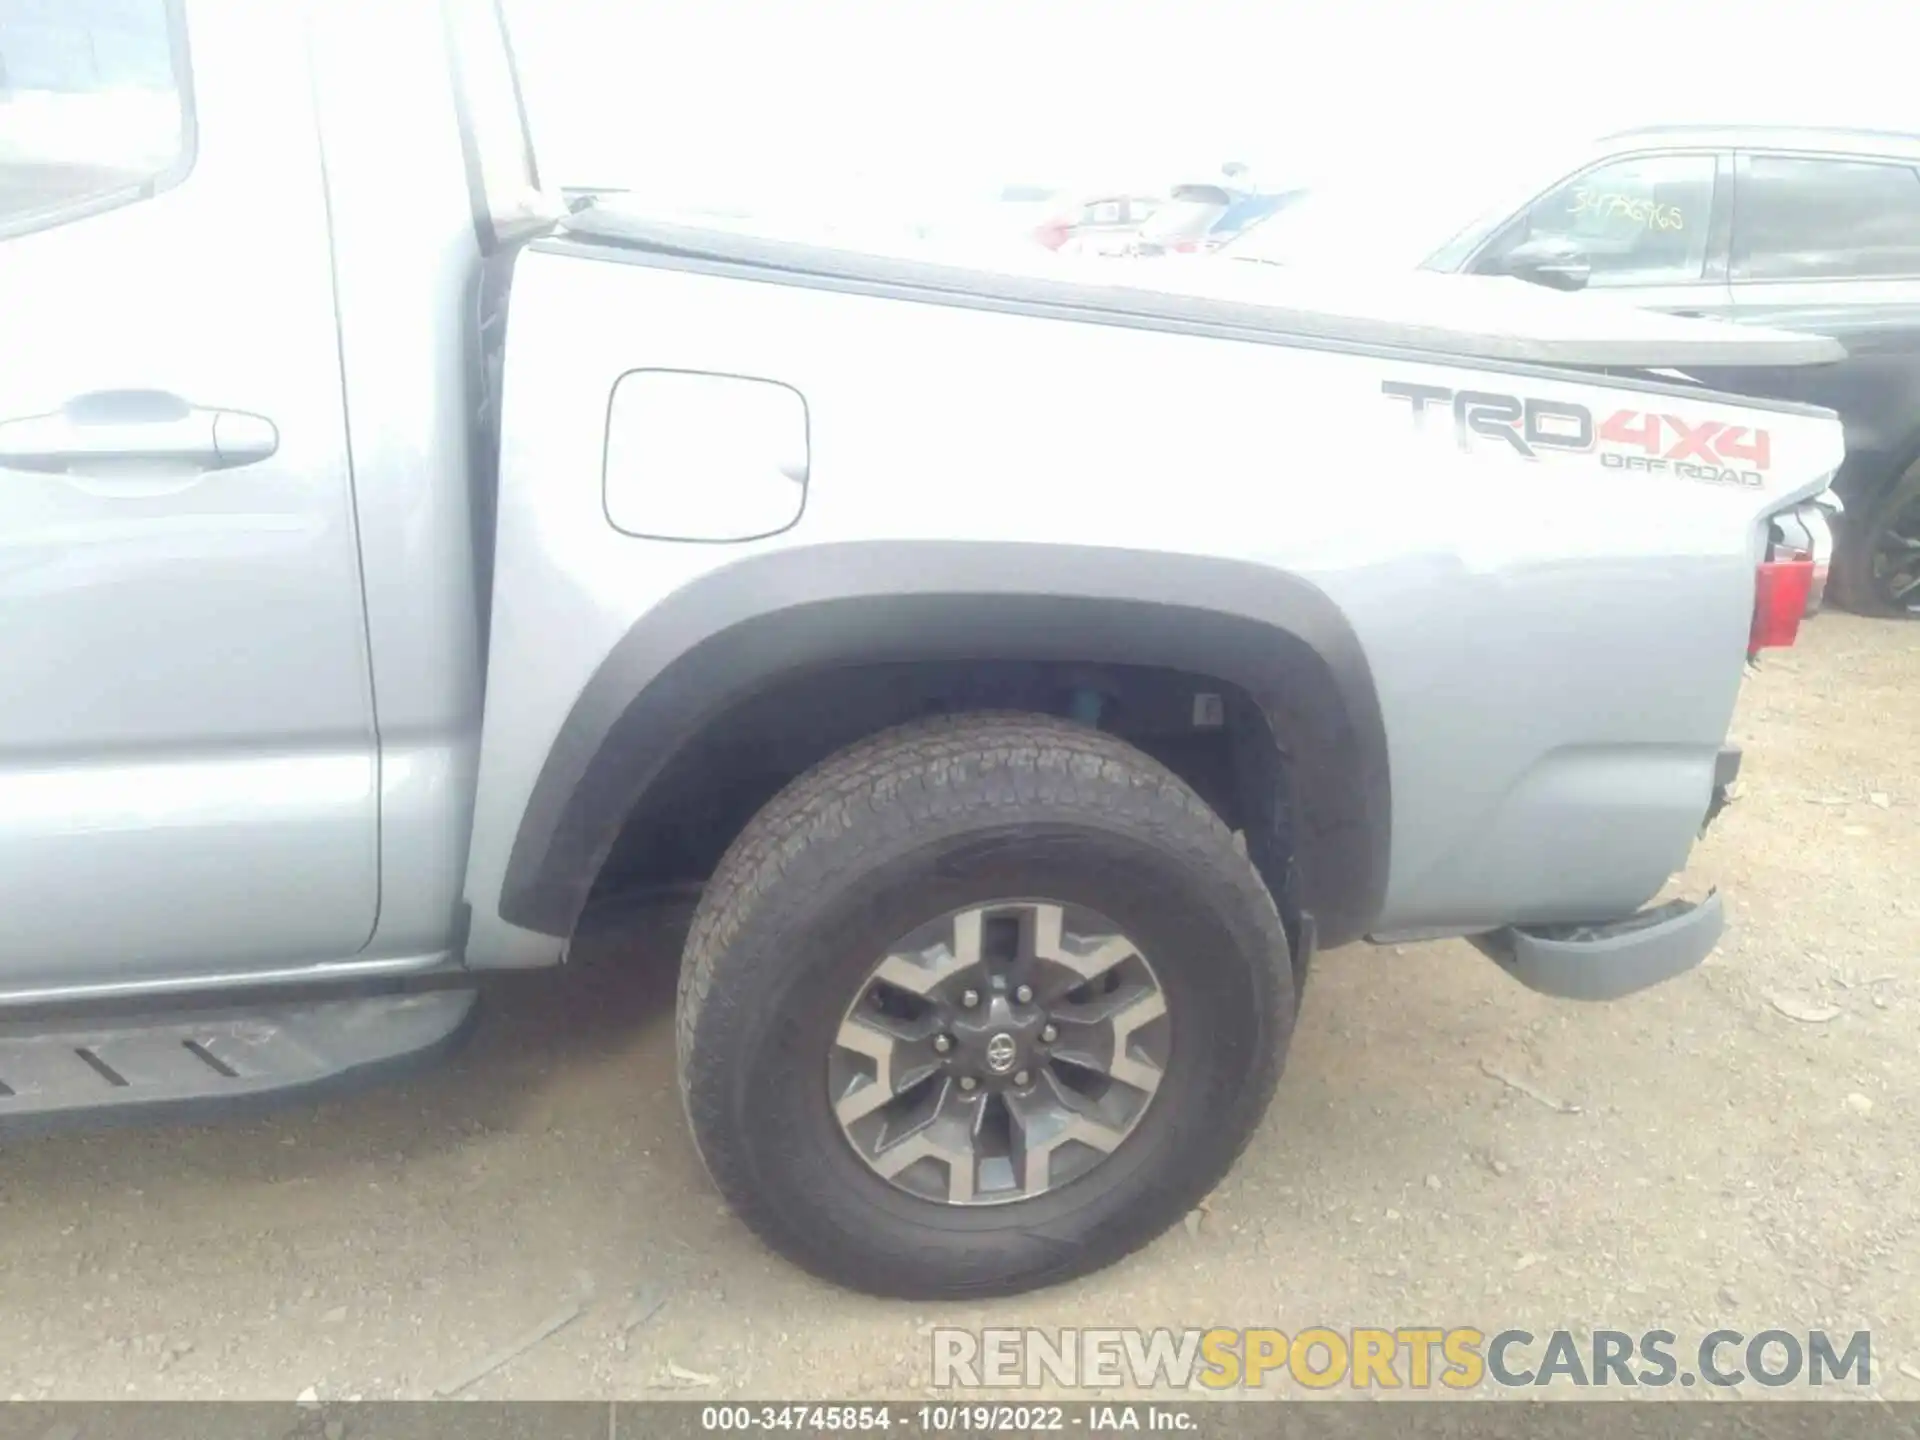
(186, 1063)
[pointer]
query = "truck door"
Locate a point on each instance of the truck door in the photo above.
(187, 744)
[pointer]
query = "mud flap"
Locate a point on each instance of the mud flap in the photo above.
(1726, 770)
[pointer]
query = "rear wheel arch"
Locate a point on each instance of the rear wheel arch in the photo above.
(1871, 504)
(751, 632)
(1869, 473)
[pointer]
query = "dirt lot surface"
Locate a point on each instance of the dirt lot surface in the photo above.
(1741, 1146)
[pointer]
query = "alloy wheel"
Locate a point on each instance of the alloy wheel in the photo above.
(999, 1052)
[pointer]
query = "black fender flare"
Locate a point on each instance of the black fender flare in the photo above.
(738, 629)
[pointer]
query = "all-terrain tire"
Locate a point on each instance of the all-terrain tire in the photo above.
(905, 827)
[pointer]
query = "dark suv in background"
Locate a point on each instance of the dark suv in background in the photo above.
(1815, 230)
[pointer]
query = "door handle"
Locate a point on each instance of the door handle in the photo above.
(128, 433)
(1691, 314)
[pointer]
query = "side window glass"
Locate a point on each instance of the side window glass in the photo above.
(1639, 221)
(1803, 219)
(93, 106)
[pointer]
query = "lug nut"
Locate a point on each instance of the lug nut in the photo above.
(967, 1082)
(1049, 1033)
(1023, 994)
(942, 1044)
(1021, 1077)
(969, 998)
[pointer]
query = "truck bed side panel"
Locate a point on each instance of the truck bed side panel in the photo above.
(1514, 610)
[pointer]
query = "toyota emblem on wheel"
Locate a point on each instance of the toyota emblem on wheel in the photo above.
(1001, 1053)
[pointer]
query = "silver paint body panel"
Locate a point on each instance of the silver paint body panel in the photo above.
(288, 720)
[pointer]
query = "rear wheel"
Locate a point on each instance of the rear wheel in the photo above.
(978, 1005)
(1877, 569)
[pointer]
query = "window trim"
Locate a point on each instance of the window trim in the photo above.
(1720, 221)
(1742, 158)
(180, 63)
(1715, 154)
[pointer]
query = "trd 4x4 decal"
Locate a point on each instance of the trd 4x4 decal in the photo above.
(1709, 450)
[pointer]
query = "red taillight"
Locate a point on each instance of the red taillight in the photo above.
(1054, 233)
(1781, 591)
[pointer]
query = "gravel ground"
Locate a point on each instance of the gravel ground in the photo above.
(1736, 1147)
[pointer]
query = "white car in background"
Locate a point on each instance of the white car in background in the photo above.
(1097, 223)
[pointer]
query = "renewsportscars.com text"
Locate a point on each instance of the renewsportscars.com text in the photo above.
(1415, 1358)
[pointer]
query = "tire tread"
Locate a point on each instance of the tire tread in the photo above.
(860, 807)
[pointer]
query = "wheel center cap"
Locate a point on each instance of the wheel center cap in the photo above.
(1002, 1051)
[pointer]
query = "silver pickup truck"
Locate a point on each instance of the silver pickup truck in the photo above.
(1030, 670)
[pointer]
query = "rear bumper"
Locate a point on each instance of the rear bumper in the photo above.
(1607, 961)
(1618, 957)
